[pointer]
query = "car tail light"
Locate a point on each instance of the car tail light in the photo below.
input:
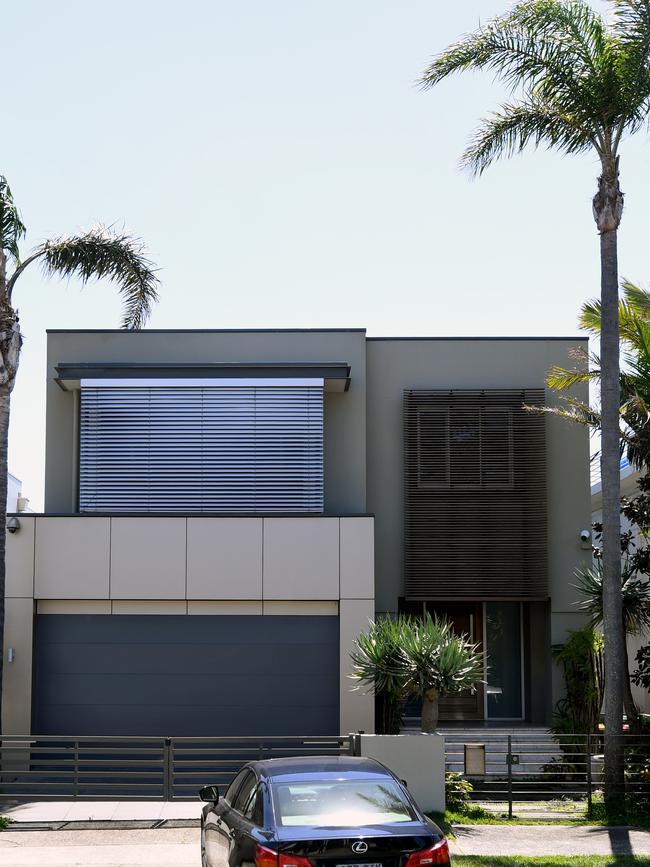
(268, 858)
(293, 861)
(437, 854)
(265, 857)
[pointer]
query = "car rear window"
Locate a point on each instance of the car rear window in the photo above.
(340, 803)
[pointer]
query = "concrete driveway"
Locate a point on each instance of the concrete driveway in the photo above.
(164, 847)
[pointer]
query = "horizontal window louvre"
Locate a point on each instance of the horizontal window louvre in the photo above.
(475, 494)
(216, 449)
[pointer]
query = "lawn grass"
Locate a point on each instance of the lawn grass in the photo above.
(550, 861)
(478, 816)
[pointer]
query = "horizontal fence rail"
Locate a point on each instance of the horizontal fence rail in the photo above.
(53, 767)
(544, 775)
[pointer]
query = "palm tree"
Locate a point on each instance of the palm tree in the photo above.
(100, 252)
(634, 330)
(635, 594)
(578, 84)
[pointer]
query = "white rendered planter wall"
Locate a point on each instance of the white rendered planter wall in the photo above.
(417, 758)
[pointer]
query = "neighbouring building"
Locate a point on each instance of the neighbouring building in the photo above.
(629, 489)
(226, 510)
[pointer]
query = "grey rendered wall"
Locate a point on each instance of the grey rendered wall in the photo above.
(393, 365)
(345, 414)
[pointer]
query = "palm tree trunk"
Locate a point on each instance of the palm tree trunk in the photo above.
(5, 398)
(429, 722)
(4, 430)
(608, 206)
(631, 710)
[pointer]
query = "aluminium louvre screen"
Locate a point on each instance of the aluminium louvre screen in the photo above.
(221, 448)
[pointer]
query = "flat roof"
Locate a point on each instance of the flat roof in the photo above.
(439, 337)
(204, 330)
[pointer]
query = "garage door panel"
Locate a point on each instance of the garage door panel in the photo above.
(190, 629)
(179, 675)
(104, 658)
(193, 721)
(139, 689)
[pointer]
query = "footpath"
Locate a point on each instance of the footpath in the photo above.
(543, 840)
(135, 834)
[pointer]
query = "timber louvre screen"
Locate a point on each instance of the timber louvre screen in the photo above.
(221, 448)
(475, 495)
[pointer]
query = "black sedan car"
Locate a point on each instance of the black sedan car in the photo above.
(334, 811)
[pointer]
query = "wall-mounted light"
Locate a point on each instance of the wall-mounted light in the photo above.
(13, 524)
(585, 539)
(11, 654)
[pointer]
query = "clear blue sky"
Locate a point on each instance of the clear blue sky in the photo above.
(285, 171)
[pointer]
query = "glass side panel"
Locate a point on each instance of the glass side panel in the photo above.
(503, 640)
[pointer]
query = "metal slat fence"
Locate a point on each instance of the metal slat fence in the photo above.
(52, 767)
(544, 776)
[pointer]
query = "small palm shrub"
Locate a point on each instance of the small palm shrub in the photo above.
(407, 656)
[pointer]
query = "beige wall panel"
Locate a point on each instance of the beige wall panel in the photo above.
(73, 606)
(20, 560)
(357, 558)
(319, 609)
(301, 558)
(72, 558)
(224, 558)
(148, 606)
(228, 606)
(357, 708)
(148, 558)
(17, 678)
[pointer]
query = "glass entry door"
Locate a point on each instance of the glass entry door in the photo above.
(504, 694)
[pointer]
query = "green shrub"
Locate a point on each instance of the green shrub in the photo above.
(457, 792)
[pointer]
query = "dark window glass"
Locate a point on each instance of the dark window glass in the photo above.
(231, 791)
(496, 448)
(254, 807)
(244, 793)
(465, 447)
(433, 447)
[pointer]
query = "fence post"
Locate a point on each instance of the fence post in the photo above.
(75, 773)
(589, 776)
(168, 773)
(509, 763)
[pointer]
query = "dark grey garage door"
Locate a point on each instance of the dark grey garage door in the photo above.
(186, 675)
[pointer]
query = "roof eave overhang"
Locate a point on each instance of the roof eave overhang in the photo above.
(335, 374)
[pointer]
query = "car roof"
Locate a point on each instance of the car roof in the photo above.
(327, 767)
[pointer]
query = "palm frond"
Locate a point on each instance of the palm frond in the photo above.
(539, 41)
(99, 253)
(635, 593)
(571, 410)
(516, 125)
(560, 378)
(12, 228)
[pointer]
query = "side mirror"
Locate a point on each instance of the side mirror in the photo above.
(404, 783)
(209, 794)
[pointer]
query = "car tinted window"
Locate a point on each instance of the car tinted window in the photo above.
(340, 803)
(231, 791)
(254, 807)
(242, 796)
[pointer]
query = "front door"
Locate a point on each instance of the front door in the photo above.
(466, 619)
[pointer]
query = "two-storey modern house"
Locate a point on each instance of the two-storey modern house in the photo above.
(226, 510)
